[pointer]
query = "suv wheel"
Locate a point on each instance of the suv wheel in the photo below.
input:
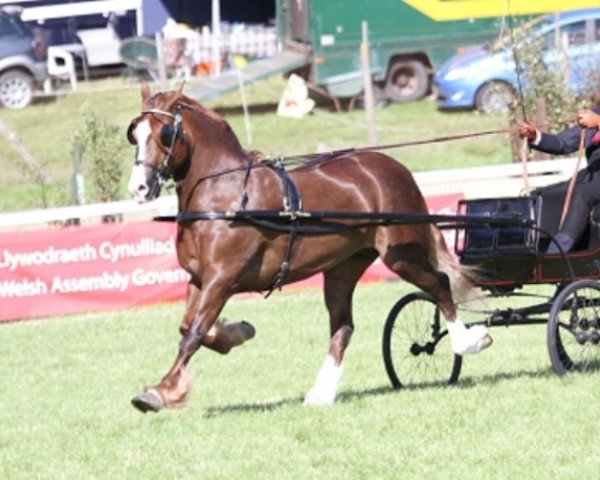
(16, 89)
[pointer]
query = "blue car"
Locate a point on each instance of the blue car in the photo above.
(484, 77)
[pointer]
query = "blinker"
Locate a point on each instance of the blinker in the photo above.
(130, 138)
(167, 134)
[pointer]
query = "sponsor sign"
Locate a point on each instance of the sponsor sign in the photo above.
(75, 269)
(110, 266)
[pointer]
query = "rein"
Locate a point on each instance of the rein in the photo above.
(291, 159)
(292, 220)
(389, 146)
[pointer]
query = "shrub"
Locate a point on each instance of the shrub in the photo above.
(101, 146)
(551, 82)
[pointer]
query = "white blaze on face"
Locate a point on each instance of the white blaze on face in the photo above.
(138, 182)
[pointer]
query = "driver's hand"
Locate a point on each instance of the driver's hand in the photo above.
(588, 119)
(528, 131)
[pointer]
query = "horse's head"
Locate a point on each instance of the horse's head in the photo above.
(160, 143)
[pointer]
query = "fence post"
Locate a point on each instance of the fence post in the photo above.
(160, 59)
(368, 83)
(216, 37)
(77, 182)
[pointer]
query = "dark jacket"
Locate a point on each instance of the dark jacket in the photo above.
(567, 142)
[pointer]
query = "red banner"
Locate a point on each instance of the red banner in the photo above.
(110, 266)
(75, 269)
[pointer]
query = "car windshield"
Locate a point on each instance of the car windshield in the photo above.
(11, 26)
(519, 32)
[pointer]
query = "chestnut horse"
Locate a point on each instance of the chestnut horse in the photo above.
(177, 137)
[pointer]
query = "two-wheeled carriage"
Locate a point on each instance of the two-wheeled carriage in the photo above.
(505, 260)
(234, 236)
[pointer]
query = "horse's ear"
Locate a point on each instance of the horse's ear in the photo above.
(180, 89)
(146, 94)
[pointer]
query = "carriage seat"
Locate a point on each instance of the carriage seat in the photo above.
(482, 241)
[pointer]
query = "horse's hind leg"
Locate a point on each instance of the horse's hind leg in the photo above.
(340, 282)
(411, 262)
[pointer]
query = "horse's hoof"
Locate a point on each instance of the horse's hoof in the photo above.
(248, 329)
(148, 401)
(470, 341)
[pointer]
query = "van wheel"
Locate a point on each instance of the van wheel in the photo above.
(16, 89)
(407, 80)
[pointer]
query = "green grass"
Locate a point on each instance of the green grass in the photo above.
(66, 385)
(47, 128)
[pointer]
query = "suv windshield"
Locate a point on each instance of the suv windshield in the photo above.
(10, 26)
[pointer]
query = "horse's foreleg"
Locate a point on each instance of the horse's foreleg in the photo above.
(174, 388)
(221, 337)
(339, 288)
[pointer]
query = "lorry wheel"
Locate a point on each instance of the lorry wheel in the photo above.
(407, 80)
(16, 89)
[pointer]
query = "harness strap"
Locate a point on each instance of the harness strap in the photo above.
(244, 200)
(291, 203)
(291, 198)
(325, 222)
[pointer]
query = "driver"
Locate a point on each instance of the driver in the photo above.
(586, 192)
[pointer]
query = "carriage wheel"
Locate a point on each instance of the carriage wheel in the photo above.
(574, 328)
(416, 351)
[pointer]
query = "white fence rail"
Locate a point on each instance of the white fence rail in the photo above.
(479, 182)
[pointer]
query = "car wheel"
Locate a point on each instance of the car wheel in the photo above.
(16, 89)
(494, 97)
(407, 80)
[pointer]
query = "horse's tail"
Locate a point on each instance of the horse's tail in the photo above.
(460, 284)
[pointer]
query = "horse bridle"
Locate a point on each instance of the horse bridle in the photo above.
(169, 134)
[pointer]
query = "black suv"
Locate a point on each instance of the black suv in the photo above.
(22, 61)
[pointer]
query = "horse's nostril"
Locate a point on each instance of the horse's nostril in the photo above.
(142, 188)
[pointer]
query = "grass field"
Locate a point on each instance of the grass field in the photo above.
(47, 129)
(66, 385)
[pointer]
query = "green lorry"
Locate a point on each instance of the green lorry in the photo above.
(407, 39)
